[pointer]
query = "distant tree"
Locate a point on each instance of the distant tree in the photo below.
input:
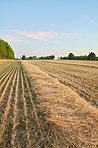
(91, 56)
(84, 57)
(23, 57)
(59, 58)
(80, 57)
(34, 57)
(47, 57)
(71, 56)
(30, 58)
(52, 57)
(41, 57)
(96, 58)
(63, 58)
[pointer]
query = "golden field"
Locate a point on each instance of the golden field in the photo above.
(49, 104)
(81, 76)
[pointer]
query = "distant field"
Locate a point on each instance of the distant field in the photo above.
(81, 76)
(48, 104)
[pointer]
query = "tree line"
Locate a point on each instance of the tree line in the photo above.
(71, 56)
(52, 57)
(6, 51)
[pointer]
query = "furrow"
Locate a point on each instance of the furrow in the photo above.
(15, 112)
(4, 66)
(7, 110)
(5, 74)
(7, 68)
(6, 79)
(33, 106)
(5, 89)
(26, 114)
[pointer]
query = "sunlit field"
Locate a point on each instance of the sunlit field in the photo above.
(48, 104)
(80, 76)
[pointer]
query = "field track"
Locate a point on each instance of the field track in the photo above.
(39, 106)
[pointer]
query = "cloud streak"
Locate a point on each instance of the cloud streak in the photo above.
(35, 37)
(12, 39)
(29, 35)
(44, 36)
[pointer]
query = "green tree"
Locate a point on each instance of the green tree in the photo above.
(6, 51)
(34, 58)
(23, 57)
(29, 58)
(10, 53)
(48, 57)
(91, 56)
(3, 52)
(52, 57)
(71, 56)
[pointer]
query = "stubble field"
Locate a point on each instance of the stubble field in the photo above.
(48, 104)
(81, 76)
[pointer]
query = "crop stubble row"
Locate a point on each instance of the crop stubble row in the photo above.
(19, 123)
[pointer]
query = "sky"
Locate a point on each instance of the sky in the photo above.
(50, 27)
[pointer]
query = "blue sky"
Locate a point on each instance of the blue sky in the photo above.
(45, 27)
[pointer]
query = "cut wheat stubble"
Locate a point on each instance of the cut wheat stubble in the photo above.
(4, 66)
(33, 106)
(7, 85)
(81, 79)
(4, 75)
(15, 112)
(72, 119)
(7, 110)
(26, 114)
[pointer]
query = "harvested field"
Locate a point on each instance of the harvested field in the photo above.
(72, 121)
(41, 104)
(19, 124)
(80, 76)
